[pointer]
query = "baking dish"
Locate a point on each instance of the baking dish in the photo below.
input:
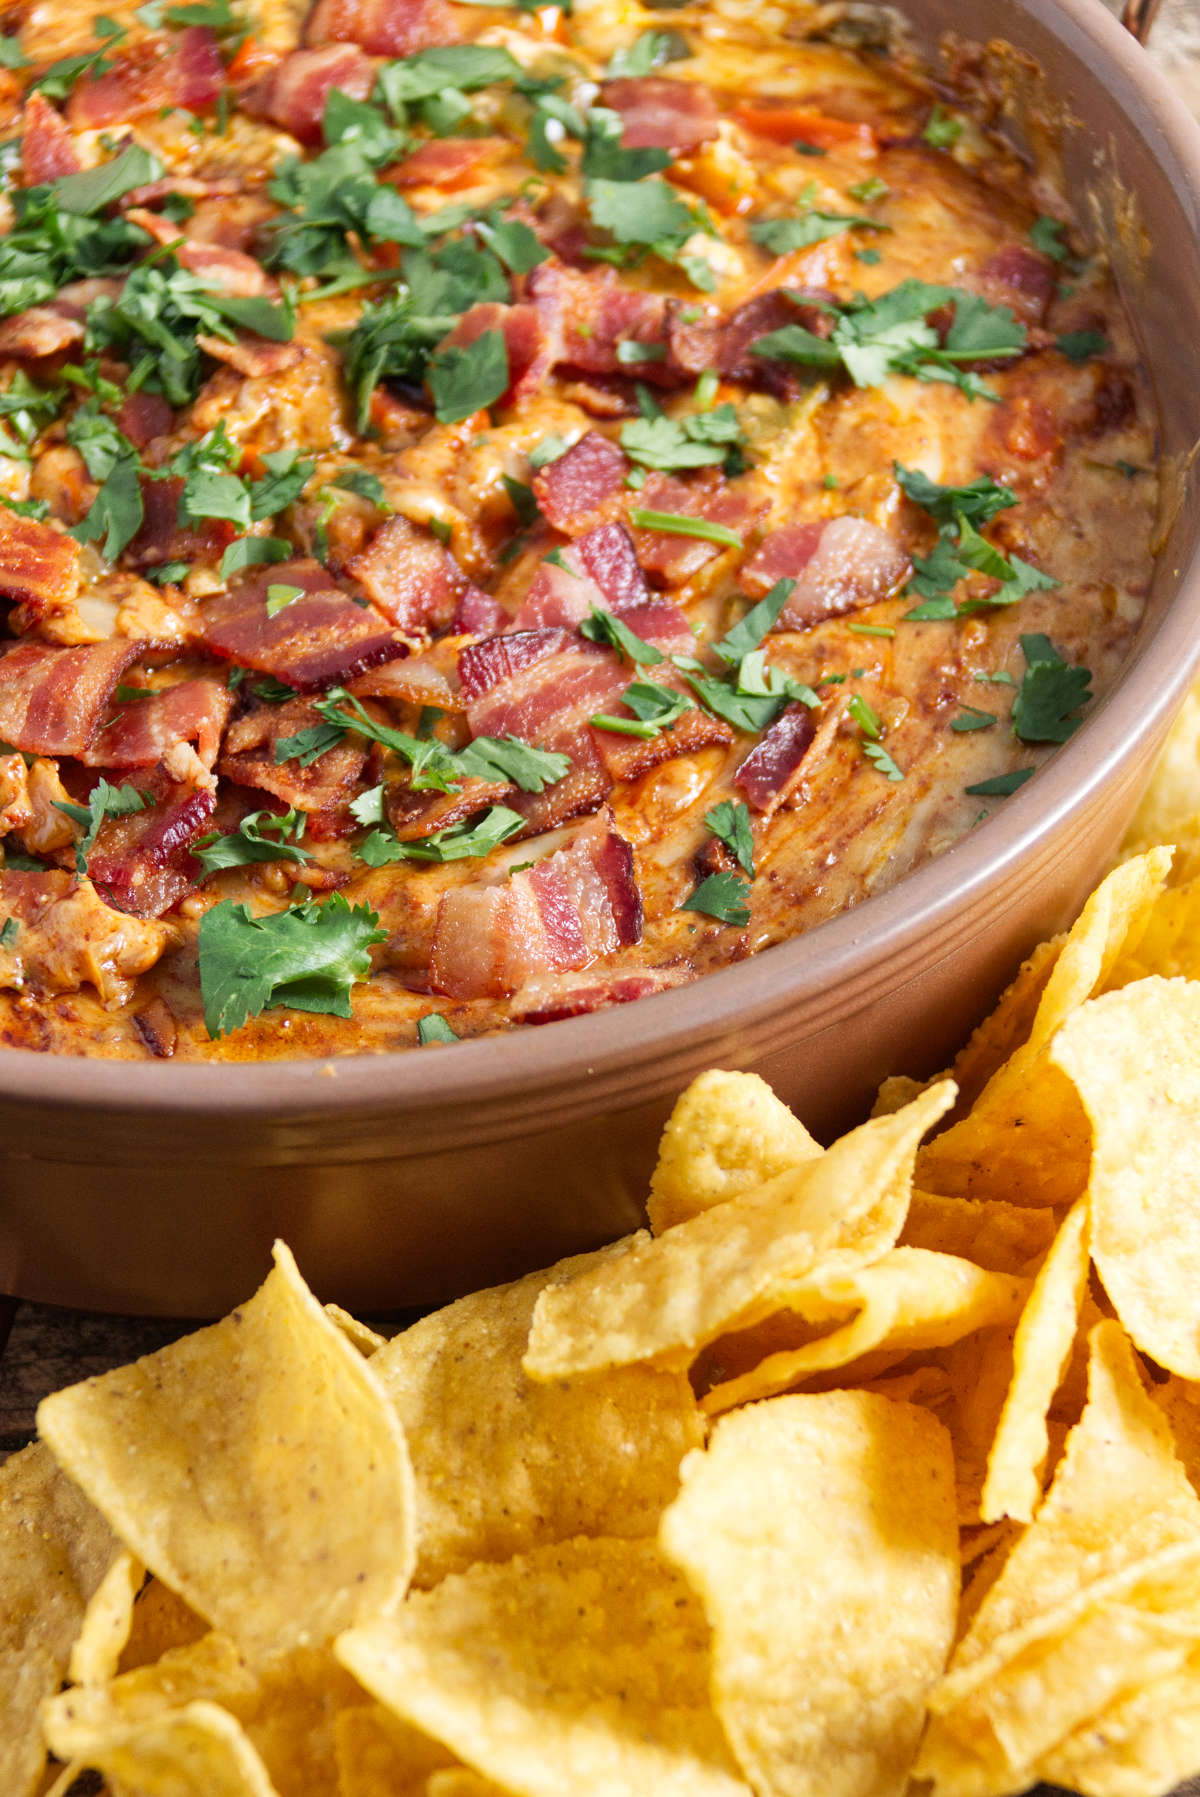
(399, 1179)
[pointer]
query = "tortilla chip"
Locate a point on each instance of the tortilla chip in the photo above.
(896, 1091)
(1179, 1401)
(911, 1299)
(582, 1666)
(200, 1751)
(363, 1337)
(503, 1463)
(160, 1622)
(210, 1670)
(1096, 1596)
(1171, 801)
(104, 1632)
(1134, 1058)
(55, 1550)
(256, 1467)
(727, 1134)
(1007, 1027)
(380, 1756)
(1041, 1350)
(1003, 1237)
(460, 1781)
(831, 1585)
(1026, 1139)
(1143, 1745)
(660, 1299)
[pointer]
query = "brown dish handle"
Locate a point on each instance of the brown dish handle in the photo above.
(1138, 17)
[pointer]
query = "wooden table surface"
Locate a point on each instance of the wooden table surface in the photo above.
(43, 1348)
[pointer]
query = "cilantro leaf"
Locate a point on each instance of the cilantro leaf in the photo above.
(116, 512)
(361, 481)
(459, 68)
(971, 718)
(639, 212)
(469, 378)
(282, 484)
(309, 745)
(263, 836)
(518, 247)
(508, 758)
(92, 189)
(1001, 785)
(1052, 695)
(979, 500)
(880, 758)
(248, 552)
(943, 130)
(280, 596)
(655, 708)
(1079, 346)
(606, 159)
(605, 627)
(730, 823)
(722, 896)
(1046, 235)
(459, 842)
(104, 801)
(648, 52)
(749, 632)
(700, 440)
(434, 1028)
(309, 957)
(783, 235)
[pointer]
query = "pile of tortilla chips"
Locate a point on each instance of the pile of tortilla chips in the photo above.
(861, 1466)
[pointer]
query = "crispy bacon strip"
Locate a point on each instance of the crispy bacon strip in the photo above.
(590, 311)
(662, 114)
(554, 996)
(143, 863)
(385, 27)
(182, 70)
(39, 331)
(293, 94)
(249, 757)
(317, 639)
(839, 565)
(583, 488)
(599, 569)
(674, 559)
(142, 731)
(52, 700)
(770, 769)
(414, 581)
(162, 538)
(38, 566)
(529, 338)
(576, 905)
(47, 152)
(447, 162)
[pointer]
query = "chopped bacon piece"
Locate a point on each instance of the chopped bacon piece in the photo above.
(1017, 277)
(477, 614)
(839, 565)
(248, 756)
(414, 815)
(559, 916)
(183, 70)
(772, 766)
(47, 151)
(385, 27)
(230, 271)
(38, 565)
(294, 93)
(584, 487)
(143, 863)
(321, 637)
(628, 757)
(551, 998)
(446, 162)
(410, 577)
(52, 700)
(784, 122)
(39, 331)
(600, 568)
(674, 559)
(531, 345)
(425, 679)
(162, 538)
(251, 355)
(482, 666)
(589, 312)
(726, 343)
(143, 416)
(144, 730)
(661, 114)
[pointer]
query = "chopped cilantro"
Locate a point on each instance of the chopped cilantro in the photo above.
(309, 745)
(943, 130)
(459, 842)
(104, 801)
(749, 632)
(1046, 235)
(1079, 346)
(605, 627)
(680, 525)
(648, 52)
(434, 1028)
(248, 552)
(696, 440)
(468, 379)
(285, 480)
(280, 596)
(309, 957)
(263, 836)
(783, 235)
(1001, 785)
(1052, 694)
(971, 718)
(722, 896)
(879, 758)
(655, 709)
(10, 932)
(979, 500)
(518, 247)
(643, 212)
(730, 823)
(869, 190)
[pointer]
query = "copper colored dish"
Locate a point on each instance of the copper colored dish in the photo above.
(401, 1179)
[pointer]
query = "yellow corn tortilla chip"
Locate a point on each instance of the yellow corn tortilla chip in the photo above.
(1003, 1237)
(1170, 943)
(1179, 1401)
(503, 1463)
(199, 1751)
(1041, 1349)
(55, 1550)
(105, 1629)
(831, 1584)
(727, 1134)
(660, 1299)
(364, 1338)
(1007, 1027)
(910, 1299)
(210, 1670)
(1134, 1058)
(1026, 1139)
(380, 1756)
(1171, 801)
(460, 1781)
(1143, 1745)
(578, 1667)
(1098, 1593)
(256, 1467)
(160, 1622)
